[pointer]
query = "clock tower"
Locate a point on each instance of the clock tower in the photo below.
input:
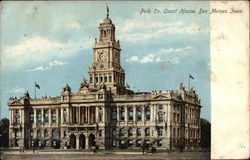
(106, 68)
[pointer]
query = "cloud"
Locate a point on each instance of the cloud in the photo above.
(132, 59)
(163, 55)
(17, 90)
(57, 63)
(138, 28)
(50, 66)
(37, 49)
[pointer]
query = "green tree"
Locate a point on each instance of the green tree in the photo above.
(4, 132)
(205, 134)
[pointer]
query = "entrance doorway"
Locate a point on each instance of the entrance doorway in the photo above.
(73, 141)
(82, 141)
(91, 140)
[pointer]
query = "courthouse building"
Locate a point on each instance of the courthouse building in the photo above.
(105, 112)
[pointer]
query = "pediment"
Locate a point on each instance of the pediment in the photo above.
(160, 97)
(16, 102)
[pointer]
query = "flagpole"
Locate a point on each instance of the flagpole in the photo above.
(35, 89)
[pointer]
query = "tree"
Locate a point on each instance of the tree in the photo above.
(205, 134)
(4, 132)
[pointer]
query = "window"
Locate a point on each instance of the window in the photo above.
(54, 143)
(46, 116)
(160, 117)
(147, 132)
(122, 112)
(147, 142)
(90, 79)
(54, 133)
(160, 143)
(101, 79)
(114, 114)
(138, 143)
(160, 106)
(31, 117)
(130, 132)
(96, 79)
(100, 133)
(139, 132)
(54, 116)
(39, 116)
(160, 131)
(100, 116)
(64, 133)
(64, 115)
(39, 133)
(130, 142)
(139, 114)
(32, 143)
(46, 133)
(122, 142)
(47, 143)
(113, 132)
(122, 132)
(110, 78)
(31, 133)
(113, 143)
(147, 113)
(39, 143)
(130, 114)
(105, 79)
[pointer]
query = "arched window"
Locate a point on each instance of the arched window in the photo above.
(122, 114)
(39, 116)
(130, 114)
(139, 114)
(53, 116)
(54, 133)
(113, 132)
(147, 113)
(46, 133)
(160, 131)
(90, 79)
(46, 116)
(122, 132)
(39, 133)
(139, 132)
(31, 117)
(130, 132)
(110, 78)
(160, 117)
(147, 132)
(31, 133)
(113, 113)
(100, 116)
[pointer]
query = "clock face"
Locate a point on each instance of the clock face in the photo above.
(101, 56)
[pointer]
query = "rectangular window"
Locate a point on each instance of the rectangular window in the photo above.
(113, 143)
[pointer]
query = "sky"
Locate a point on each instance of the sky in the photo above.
(51, 43)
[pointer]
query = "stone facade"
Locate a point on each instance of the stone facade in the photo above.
(105, 112)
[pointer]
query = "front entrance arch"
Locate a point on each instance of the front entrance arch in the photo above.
(73, 141)
(91, 140)
(82, 141)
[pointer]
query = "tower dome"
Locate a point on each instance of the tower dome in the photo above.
(107, 20)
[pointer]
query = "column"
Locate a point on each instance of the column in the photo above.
(134, 112)
(86, 142)
(57, 116)
(86, 114)
(42, 115)
(118, 114)
(67, 116)
(151, 113)
(97, 114)
(104, 114)
(77, 113)
(143, 114)
(89, 113)
(49, 116)
(34, 116)
(62, 118)
(126, 113)
(77, 142)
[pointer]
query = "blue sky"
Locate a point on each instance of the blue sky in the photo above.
(51, 43)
